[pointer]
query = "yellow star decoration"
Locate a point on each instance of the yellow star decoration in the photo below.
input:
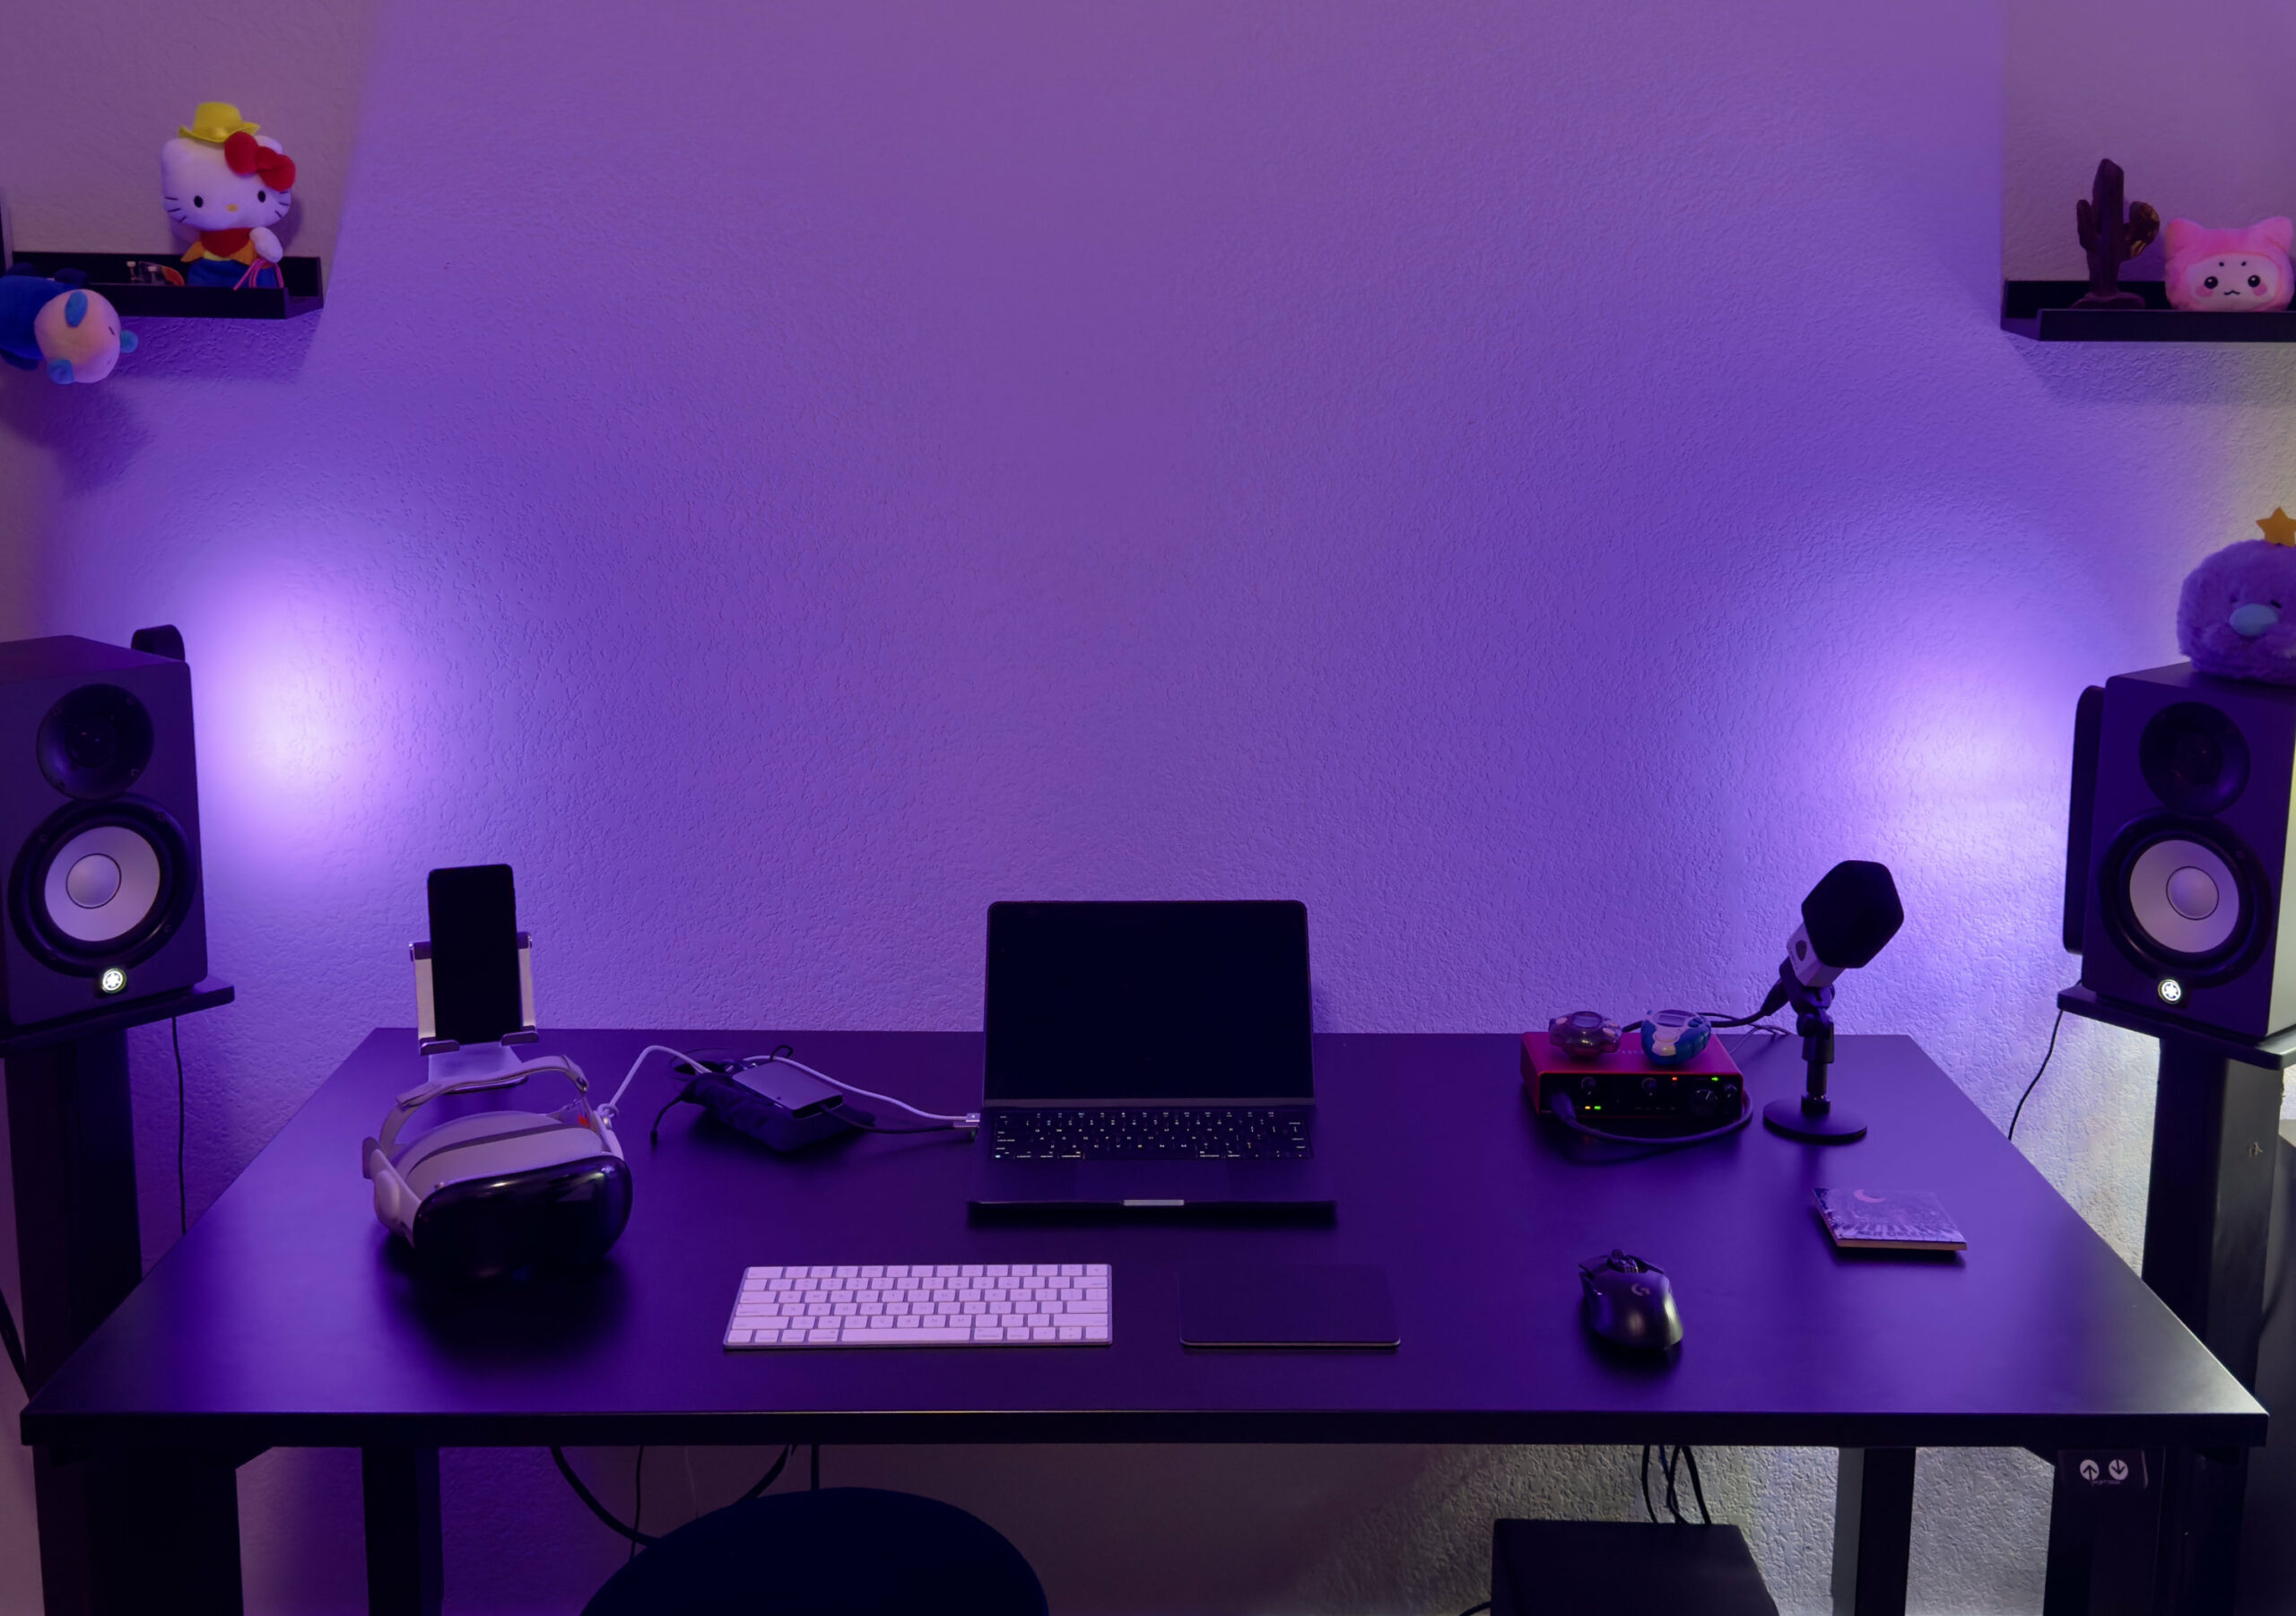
(2279, 528)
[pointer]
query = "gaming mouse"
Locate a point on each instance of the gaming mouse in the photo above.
(1630, 1302)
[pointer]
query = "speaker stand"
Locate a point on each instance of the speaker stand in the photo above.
(117, 1531)
(2207, 1215)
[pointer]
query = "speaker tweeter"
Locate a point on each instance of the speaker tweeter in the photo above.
(95, 742)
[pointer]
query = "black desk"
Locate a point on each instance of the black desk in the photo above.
(283, 1319)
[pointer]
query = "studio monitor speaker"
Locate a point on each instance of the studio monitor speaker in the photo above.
(99, 827)
(2179, 848)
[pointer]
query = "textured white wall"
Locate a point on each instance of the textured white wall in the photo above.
(784, 478)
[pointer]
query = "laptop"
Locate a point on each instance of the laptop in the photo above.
(1149, 1058)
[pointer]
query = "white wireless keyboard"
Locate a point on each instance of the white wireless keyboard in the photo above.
(923, 1304)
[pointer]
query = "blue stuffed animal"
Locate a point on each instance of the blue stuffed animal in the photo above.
(60, 326)
(2237, 615)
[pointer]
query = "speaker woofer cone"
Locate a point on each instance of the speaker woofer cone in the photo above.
(101, 887)
(2186, 899)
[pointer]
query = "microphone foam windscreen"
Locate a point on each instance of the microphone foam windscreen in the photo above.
(1852, 912)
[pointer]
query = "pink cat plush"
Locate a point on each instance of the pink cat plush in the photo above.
(2231, 270)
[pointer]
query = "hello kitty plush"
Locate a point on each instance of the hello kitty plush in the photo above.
(2231, 270)
(2235, 617)
(59, 326)
(230, 184)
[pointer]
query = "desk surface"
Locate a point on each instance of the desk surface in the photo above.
(284, 1317)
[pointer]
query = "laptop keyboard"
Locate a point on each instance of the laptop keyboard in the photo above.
(1153, 1133)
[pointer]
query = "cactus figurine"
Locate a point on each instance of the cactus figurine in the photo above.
(2110, 241)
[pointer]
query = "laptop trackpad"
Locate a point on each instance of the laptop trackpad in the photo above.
(1151, 1183)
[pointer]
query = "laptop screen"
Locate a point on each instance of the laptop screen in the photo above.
(1151, 1001)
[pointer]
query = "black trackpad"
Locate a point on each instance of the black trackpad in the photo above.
(1288, 1304)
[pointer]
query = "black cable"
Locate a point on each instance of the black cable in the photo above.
(694, 1068)
(654, 1135)
(1772, 1002)
(182, 1205)
(636, 1537)
(15, 1345)
(2027, 1094)
(1674, 1462)
(771, 1476)
(1697, 1486)
(636, 1503)
(557, 1457)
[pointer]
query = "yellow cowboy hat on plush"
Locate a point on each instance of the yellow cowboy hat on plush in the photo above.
(215, 122)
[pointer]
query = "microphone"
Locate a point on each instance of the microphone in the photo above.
(1848, 918)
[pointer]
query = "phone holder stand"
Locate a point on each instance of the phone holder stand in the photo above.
(450, 1062)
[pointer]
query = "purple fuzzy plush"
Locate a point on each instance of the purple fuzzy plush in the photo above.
(2237, 616)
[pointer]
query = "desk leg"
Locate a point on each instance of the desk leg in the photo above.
(2201, 1508)
(2104, 1534)
(1872, 1531)
(2207, 1220)
(130, 1533)
(405, 1573)
(144, 1531)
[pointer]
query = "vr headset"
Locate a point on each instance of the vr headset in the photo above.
(491, 1192)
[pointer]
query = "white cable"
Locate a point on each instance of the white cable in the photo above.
(612, 1107)
(971, 1121)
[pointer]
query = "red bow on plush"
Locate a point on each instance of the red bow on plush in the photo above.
(248, 155)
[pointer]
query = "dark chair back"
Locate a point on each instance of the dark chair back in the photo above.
(841, 1552)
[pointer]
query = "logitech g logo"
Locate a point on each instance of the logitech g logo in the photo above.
(1639, 1290)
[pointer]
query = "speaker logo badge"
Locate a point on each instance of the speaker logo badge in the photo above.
(2171, 990)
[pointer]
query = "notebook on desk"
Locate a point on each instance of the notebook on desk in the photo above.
(1153, 1058)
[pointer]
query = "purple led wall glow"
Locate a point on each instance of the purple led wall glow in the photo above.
(304, 704)
(1539, 484)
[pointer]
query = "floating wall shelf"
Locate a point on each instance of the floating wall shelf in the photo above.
(2043, 310)
(107, 273)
